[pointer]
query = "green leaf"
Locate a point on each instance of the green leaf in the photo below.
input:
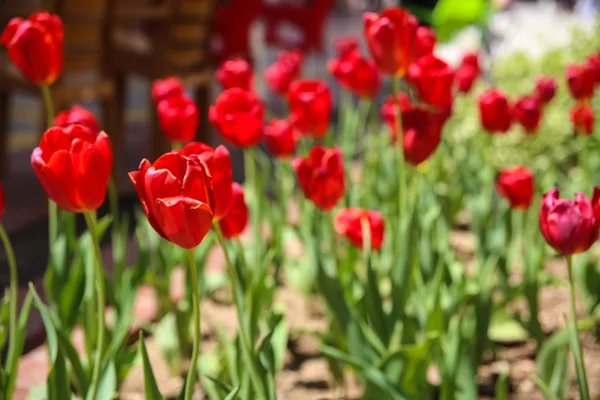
(503, 329)
(107, 387)
(584, 391)
(81, 378)
(58, 379)
(552, 363)
(12, 363)
(48, 325)
(233, 394)
(150, 386)
(502, 387)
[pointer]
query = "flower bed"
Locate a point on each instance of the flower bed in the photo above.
(395, 256)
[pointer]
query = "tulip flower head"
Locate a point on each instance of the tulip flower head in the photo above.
(280, 138)
(349, 223)
(218, 162)
(495, 111)
(236, 73)
(425, 41)
(391, 37)
(73, 164)
(176, 193)
(77, 115)
(570, 226)
(236, 220)
(310, 104)
(516, 184)
(545, 89)
(238, 116)
(35, 46)
(581, 80)
(433, 80)
(528, 113)
(321, 176)
(178, 118)
(168, 87)
(284, 71)
(345, 45)
(582, 116)
(357, 74)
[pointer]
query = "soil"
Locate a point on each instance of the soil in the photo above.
(306, 376)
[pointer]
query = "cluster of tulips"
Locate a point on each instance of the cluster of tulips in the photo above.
(398, 299)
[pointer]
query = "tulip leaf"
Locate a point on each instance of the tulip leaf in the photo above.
(551, 363)
(81, 378)
(548, 394)
(12, 362)
(150, 386)
(502, 387)
(107, 387)
(582, 384)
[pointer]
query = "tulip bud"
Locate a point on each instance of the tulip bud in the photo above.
(310, 107)
(168, 87)
(280, 138)
(349, 223)
(528, 113)
(178, 118)
(582, 116)
(517, 186)
(238, 116)
(545, 89)
(236, 219)
(235, 74)
(495, 111)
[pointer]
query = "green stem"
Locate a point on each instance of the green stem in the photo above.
(252, 178)
(247, 350)
(580, 370)
(14, 288)
(113, 203)
(191, 377)
(52, 208)
(90, 219)
(400, 154)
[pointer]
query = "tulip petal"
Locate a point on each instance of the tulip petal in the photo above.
(185, 221)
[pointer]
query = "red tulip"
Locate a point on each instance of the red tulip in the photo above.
(593, 63)
(570, 226)
(2, 201)
(425, 41)
(178, 117)
(73, 164)
(284, 71)
(236, 219)
(581, 80)
(35, 46)
(422, 128)
(168, 87)
(356, 74)
(280, 138)
(321, 176)
(391, 39)
(177, 197)
(238, 116)
(528, 113)
(77, 115)
(471, 60)
(517, 186)
(235, 73)
(465, 77)
(218, 162)
(432, 79)
(545, 89)
(582, 117)
(349, 223)
(494, 111)
(310, 106)
(345, 45)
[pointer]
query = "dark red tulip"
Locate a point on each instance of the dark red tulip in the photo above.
(432, 79)
(471, 60)
(321, 176)
(236, 219)
(310, 105)
(517, 186)
(35, 46)
(581, 80)
(177, 197)
(235, 73)
(391, 37)
(349, 223)
(238, 116)
(345, 45)
(593, 62)
(280, 138)
(422, 128)
(73, 164)
(495, 111)
(356, 74)
(425, 41)
(77, 115)
(168, 87)
(569, 226)
(528, 112)
(178, 117)
(583, 118)
(2, 201)
(218, 162)
(545, 89)
(284, 71)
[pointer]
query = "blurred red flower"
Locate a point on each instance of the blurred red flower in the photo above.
(238, 116)
(310, 107)
(280, 138)
(495, 111)
(236, 73)
(349, 223)
(178, 118)
(77, 115)
(236, 220)
(516, 184)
